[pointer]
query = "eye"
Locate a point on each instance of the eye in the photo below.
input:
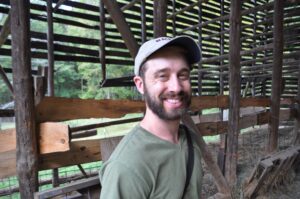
(162, 76)
(184, 75)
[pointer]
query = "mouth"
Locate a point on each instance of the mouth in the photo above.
(174, 101)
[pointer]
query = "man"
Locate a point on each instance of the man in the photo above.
(150, 161)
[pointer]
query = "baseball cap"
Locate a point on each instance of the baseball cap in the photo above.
(153, 45)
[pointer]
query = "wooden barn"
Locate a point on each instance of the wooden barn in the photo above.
(249, 75)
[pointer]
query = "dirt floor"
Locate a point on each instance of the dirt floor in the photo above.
(251, 148)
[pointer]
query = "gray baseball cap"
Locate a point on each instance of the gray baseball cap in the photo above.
(153, 45)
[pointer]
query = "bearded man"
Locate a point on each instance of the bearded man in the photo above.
(151, 161)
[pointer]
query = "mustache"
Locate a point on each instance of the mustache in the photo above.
(174, 95)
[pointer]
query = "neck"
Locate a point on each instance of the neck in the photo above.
(164, 129)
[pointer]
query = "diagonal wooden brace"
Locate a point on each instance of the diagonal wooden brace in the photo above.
(220, 180)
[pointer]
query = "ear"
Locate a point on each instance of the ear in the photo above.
(139, 84)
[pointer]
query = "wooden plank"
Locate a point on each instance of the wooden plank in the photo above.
(119, 19)
(58, 109)
(276, 75)
(80, 152)
(54, 137)
(7, 140)
(234, 92)
(74, 186)
(27, 154)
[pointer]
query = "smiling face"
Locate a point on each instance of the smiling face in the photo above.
(166, 83)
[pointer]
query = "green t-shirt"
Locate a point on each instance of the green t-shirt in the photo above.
(145, 166)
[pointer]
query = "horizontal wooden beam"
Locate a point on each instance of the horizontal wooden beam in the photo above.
(85, 151)
(61, 109)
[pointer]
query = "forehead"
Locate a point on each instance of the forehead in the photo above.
(169, 57)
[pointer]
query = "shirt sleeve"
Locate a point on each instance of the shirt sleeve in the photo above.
(120, 182)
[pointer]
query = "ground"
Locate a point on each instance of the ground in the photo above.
(252, 147)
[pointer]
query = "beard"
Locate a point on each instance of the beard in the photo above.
(157, 107)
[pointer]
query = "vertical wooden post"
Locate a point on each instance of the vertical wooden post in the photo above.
(50, 47)
(234, 91)
(143, 21)
(200, 45)
(50, 54)
(276, 75)
(102, 40)
(223, 137)
(27, 157)
(174, 17)
(160, 18)
(119, 19)
(297, 120)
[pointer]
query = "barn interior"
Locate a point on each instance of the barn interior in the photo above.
(247, 81)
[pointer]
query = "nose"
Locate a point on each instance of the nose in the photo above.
(175, 85)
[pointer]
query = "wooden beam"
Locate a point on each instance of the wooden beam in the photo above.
(119, 19)
(74, 186)
(160, 18)
(6, 80)
(59, 109)
(220, 181)
(5, 30)
(80, 152)
(50, 48)
(143, 21)
(276, 75)
(297, 118)
(59, 3)
(102, 50)
(27, 158)
(85, 151)
(234, 92)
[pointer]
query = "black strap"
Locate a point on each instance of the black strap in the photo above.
(190, 161)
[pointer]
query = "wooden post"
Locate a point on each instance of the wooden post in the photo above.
(276, 75)
(119, 19)
(174, 17)
(50, 54)
(297, 119)
(160, 18)
(27, 156)
(223, 137)
(234, 91)
(102, 40)
(200, 45)
(50, 47)
(143, 21)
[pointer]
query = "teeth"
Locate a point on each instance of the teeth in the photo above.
(173, 101)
